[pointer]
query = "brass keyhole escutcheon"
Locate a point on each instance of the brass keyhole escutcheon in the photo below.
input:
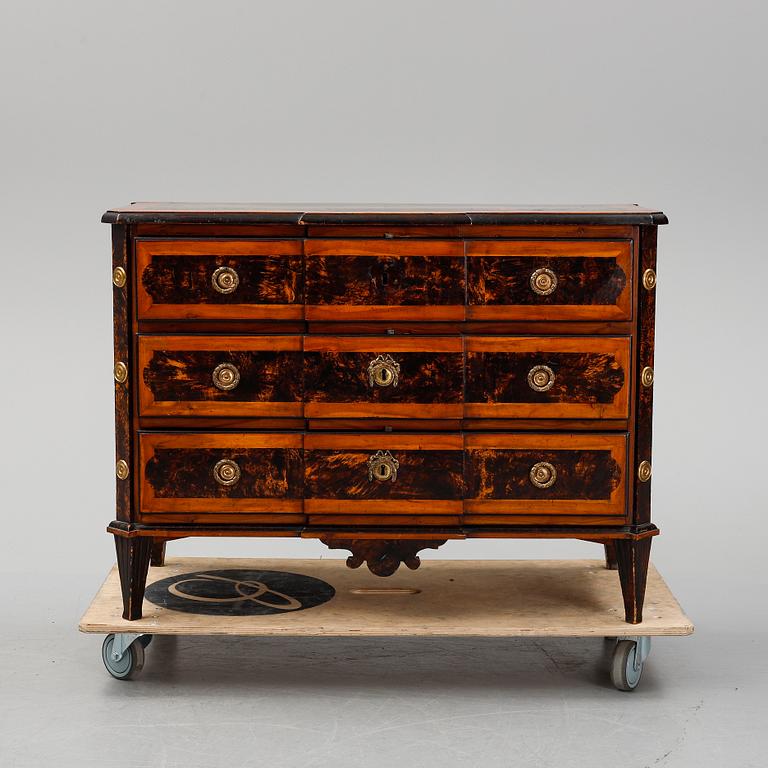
(383, 371)
(225, 280)
(225, 376)
(382, 466)
(543, 474)
(226, 472)
(543, 281)
(541, 378)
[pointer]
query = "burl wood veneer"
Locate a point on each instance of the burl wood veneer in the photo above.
(383, 379)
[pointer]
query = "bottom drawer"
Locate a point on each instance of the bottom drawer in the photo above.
(555, 479)
(396, 480)
(203, 478)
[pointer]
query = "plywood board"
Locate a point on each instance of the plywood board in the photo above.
(489, 598)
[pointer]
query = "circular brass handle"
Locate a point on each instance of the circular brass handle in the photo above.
(225, 280)
(226, 472)
(225, 376)
(543, 474)
(543, 281)
(541, 378)
(383, 371)
(382, 466)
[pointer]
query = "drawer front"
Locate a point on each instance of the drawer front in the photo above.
(220, 376)
(383, 376)
(549, 280)
(567, 478)
(219, 279)
(231, 474)
(548, 377)
(385, 280)
(404, 475)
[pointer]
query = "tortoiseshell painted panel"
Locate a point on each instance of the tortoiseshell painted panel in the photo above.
(424, 377)
(339, 474)
(265, 376)
(188, 473)
(505, 474)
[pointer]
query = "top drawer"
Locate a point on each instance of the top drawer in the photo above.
(385, 280)
(549, 280)
(219, 279)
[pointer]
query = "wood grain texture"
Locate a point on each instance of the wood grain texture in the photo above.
(594, 280)
(455, 598)
(632, 559)
(383, 557)
(343, 474)
(177, 473)
(133, 557)
(174, 279)
(384, 280)
(176, 375)
(591, 475)
(591, 377)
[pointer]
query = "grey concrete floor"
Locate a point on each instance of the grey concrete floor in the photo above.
(368, 702)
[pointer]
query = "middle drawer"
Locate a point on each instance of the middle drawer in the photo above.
(416, 377)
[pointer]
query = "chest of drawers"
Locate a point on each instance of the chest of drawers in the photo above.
(383, 379)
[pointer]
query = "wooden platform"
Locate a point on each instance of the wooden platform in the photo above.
(489, 598)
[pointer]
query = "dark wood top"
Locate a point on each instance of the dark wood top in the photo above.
(330, 213)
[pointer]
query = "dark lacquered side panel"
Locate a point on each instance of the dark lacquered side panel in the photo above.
(644, 394)
(121, 302)
(343, 474)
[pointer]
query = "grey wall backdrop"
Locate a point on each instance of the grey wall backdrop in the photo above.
(660, 103)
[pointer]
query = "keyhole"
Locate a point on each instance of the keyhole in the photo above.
(385, 277)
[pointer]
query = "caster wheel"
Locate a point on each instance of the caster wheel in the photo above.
(131, 662)
(625, 668)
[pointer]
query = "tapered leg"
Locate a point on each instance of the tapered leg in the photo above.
(610, 556)
(158, 552)
(133, 556)
(632, 557)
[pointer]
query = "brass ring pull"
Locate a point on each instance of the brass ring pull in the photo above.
(383, 371)
(382, 466)
(543, 474)
(225, 376)
(541, 378)
(226, 472)
(543, 281)
(225, 280)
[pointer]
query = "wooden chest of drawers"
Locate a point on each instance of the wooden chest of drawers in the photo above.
(383, 379)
